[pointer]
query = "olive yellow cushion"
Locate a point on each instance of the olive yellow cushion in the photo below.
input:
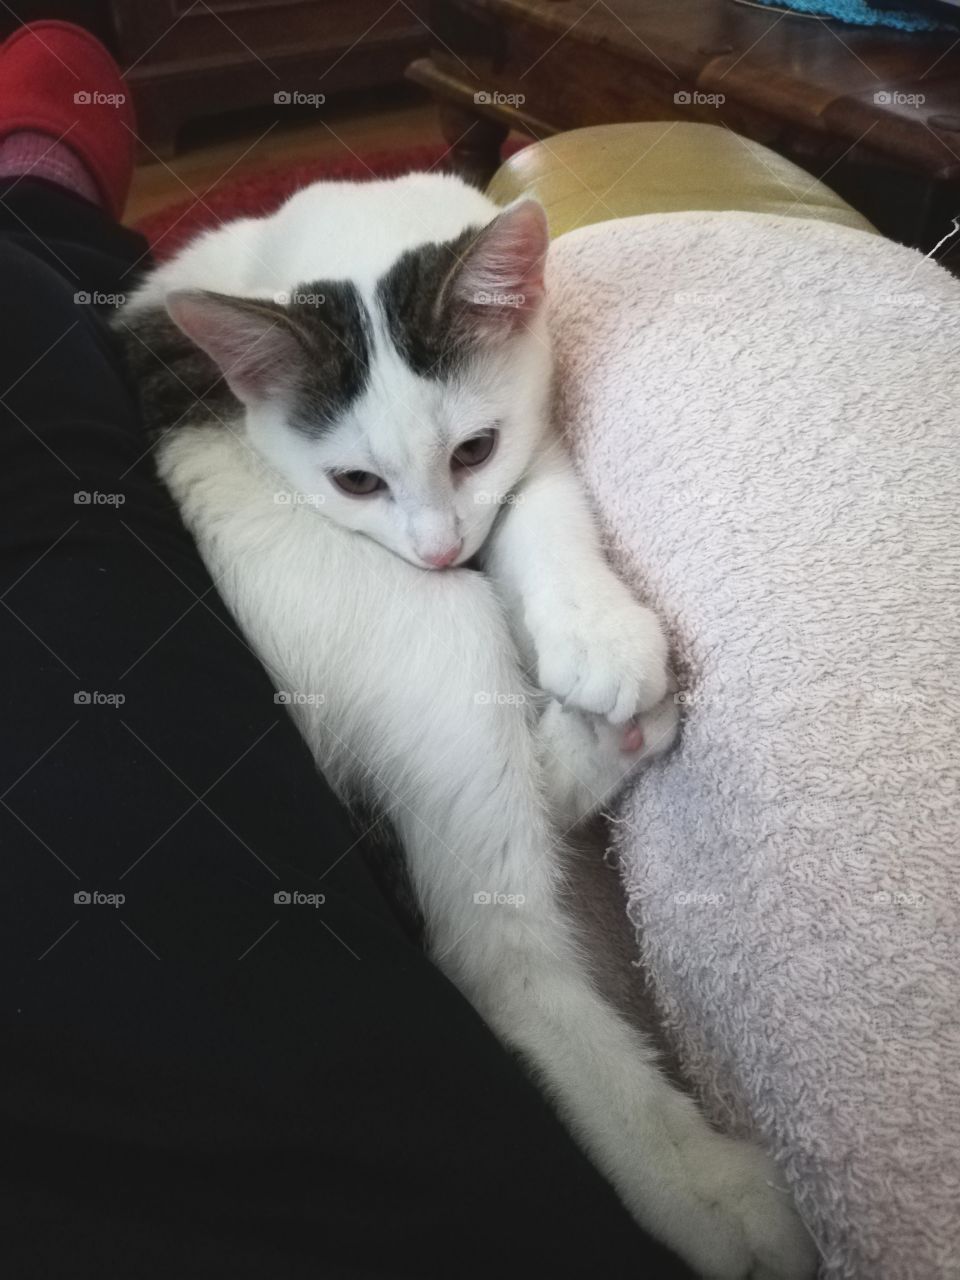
(620, 170)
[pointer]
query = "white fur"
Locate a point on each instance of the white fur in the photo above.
(422, 706)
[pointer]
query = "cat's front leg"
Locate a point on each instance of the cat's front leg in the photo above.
(595, 647)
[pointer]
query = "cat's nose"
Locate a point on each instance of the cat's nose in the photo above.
(444, 559)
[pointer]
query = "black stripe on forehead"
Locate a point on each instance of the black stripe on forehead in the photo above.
(420, 315)
(337, 335)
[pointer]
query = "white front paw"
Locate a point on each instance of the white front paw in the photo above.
(605, 655)
(740, 1222)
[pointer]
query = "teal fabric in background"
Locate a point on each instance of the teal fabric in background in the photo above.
(861, 13)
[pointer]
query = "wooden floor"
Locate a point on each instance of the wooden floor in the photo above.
(227, 147)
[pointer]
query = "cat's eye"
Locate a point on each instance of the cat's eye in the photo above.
(474, 451)
(358, 484)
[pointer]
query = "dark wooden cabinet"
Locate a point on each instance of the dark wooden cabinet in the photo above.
(185, 59)
(872, 111)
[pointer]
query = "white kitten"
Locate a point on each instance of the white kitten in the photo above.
(383, 348)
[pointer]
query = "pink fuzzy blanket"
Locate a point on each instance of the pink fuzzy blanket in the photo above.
(766, 412)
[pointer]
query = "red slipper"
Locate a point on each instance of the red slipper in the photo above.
(58, 79)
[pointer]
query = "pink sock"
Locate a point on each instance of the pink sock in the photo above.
(38, 155)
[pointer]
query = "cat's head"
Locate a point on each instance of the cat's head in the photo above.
(407, 408)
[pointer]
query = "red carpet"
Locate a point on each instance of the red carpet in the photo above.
(263, 191)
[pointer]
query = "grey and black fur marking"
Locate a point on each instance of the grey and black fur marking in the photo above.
(423, 319)
(179, 385)
(337, 333)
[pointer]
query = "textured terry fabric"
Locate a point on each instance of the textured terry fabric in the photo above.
(766, 412)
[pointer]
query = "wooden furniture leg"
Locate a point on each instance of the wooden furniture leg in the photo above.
(474, 140)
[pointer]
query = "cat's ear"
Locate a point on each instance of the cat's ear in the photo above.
(498, 285)
(252, 341)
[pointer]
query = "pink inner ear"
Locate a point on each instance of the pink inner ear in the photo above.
(250, 342)
(501, 279)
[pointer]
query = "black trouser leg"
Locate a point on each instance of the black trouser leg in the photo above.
(195, 1080)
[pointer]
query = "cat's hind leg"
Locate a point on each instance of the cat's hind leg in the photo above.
(485, 860)
(586, 761)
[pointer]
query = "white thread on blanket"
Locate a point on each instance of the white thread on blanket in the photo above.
(954, 230)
